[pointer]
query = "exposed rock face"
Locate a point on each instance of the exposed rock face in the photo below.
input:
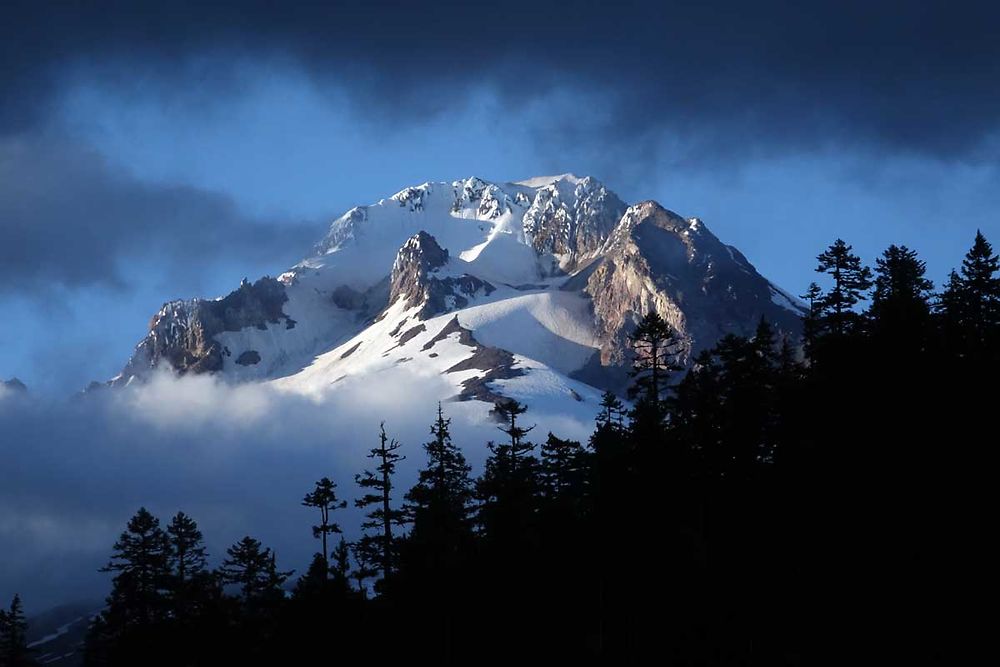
(414, 279)
(496, 364)
(248, 358)
(657, 260)
(572, 224)
(182, 333)
(489, 199)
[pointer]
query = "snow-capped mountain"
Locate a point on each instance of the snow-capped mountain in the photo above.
(525, 289)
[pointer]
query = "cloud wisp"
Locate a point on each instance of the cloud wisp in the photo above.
(237, 458)
(69, 219)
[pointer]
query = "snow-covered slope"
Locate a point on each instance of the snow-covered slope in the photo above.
(476, 290)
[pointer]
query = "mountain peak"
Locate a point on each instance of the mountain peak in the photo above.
(413, 278)
(542, 181)
(554, 270)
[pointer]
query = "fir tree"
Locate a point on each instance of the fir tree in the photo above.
(563, 470)
(313, 583)
(970, 302)
(812, 322)
(851, 281)
(254, 570)
(438, 505)
(901, 299)
(509, 487)
(655, 344)
(612, 411)
(324, 498)
(14, 650)
(981, 282)
(814, 296)
(383, 517)
(187, 550)
(509, 411)
(140, 561)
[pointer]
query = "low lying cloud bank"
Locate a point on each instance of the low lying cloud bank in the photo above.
(238, 458)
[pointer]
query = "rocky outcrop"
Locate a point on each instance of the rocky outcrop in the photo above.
(182, 334)
(495, 364)
(572, 219)
(415, 279)
(657, 260)
(489, 200)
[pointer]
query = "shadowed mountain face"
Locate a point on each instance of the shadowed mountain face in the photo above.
(523, 289)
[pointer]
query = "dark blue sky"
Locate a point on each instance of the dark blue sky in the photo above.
(150, 152)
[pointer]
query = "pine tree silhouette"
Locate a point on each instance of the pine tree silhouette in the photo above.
(141, 562)
(187, 550)
(438, 505)
(509, 488)
(970, 303)
(563, 471)
(901, 301)
(14, 651)
(192, 586)
(381, 546)
(851, 281)
(655, 344)
(612, 411)
(324, 498)
(253, 569)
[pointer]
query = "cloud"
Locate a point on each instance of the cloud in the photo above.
(237, 458)
(68, 218)
(725, 76)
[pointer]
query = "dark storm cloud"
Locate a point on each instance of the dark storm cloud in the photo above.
(68, 218)
(916, 77)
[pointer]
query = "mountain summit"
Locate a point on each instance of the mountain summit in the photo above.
(526, 289)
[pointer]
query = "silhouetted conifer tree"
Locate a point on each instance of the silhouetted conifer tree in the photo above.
(187, 550)
(812, 323)
(970, 302)
(14, 651)
(381, 546)
(141, 563)
(612, 411)
(253, 569)
(192, 585)
(438, 505)
(655, 344)
(851, 282)
(509, 488)
(313, 584)
(900, 310)
(564, 470)
(324, 498)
